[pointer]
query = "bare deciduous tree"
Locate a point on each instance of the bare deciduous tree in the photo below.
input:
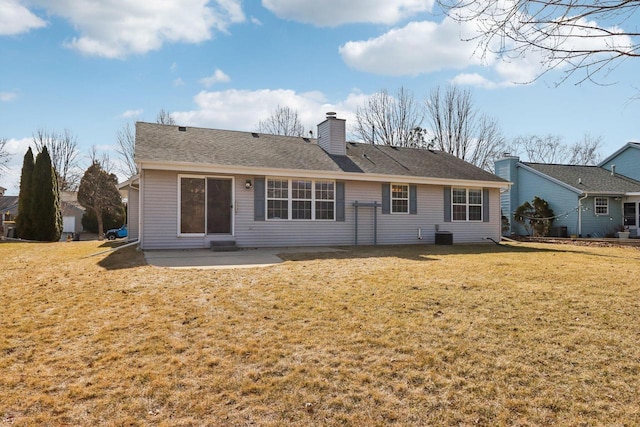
(126, 139)
(102, 159)
(4, 154)
(551, 149)
(65, 157)
(459, 129)
(586, 151)
(282, 121)
(389, 120)
(592, 36)
(165, 118)
(539, 148)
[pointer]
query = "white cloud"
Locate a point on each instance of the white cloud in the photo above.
(131, 113)
(173, 67)
(10, 176)
(243, 109)
(16, 18)
(18, 146)
(217, 77)
(7, 96)
(331, 13)
(178, 82)
(118, 28)
(255, 21)
(425, 47)
(419, 47)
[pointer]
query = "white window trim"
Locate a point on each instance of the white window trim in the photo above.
(204, 177)
(595, 206)
(391, 198)
(467, 204)
(310, 200)
(290, 199)
(267, 198)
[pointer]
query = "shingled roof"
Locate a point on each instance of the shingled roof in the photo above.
(165, 143)
(588, 179)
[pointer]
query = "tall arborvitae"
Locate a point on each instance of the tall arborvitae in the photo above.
(45, 203)
(24, 221)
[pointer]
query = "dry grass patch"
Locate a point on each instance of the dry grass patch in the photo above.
(515, 335)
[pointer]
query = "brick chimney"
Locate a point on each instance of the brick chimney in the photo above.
(332, 135)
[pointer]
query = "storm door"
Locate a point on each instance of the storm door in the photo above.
(629, 210)
(219, 206)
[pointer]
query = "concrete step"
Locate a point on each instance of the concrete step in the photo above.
(224, 246)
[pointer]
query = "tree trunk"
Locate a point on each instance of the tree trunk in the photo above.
(100, 224)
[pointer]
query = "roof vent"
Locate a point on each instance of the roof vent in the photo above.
(331, 115)
(182, 128)
(613, 170)
(255, 135)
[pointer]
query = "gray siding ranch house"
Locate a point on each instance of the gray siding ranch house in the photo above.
(199, 188)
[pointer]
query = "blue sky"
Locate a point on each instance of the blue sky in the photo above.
(91, 67)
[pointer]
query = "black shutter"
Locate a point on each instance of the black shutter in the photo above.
(447, 204)
(340, 201)
(485, 205)
(258, 199)
(386, 198)
(413, 200)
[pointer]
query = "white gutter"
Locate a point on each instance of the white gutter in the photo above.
(295, 173)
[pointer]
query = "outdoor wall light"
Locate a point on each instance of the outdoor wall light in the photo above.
(248, 184)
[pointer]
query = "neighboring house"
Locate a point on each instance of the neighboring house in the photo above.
(202, 187)
(625, 161)
(589, 201)
(8, 211)
(72, 212)
(2, 190)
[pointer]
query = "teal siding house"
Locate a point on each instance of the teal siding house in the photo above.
(625, 161)
(588, 201)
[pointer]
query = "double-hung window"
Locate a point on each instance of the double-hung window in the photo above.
(300, 199)
(277, 199)
(466, 204)
(602, 205)
(325, 200)
(399, 198)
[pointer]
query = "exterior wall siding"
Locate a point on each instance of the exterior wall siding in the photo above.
(563, 201)
(627, 163)
(332, 136)
(160, 221)
(506, 168)
(594, 225)
(133, 212)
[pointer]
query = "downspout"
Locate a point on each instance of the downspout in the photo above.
(580, 214)
(140, 208)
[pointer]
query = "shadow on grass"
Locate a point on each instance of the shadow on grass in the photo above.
(125, 258)
(107, 244)
(413, 252)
